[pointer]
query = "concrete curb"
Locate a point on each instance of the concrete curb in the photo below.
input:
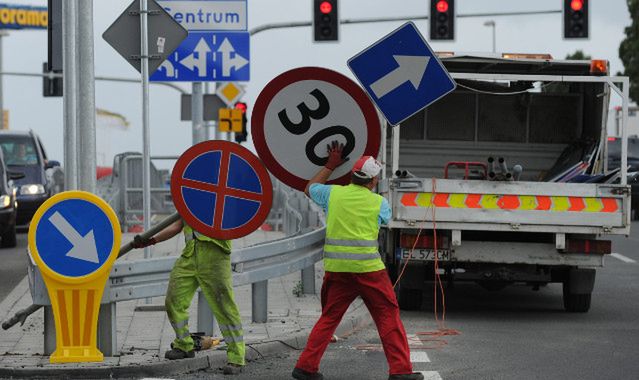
(353, 321)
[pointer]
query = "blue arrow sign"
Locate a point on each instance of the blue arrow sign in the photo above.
(74, 237)
(401, 74)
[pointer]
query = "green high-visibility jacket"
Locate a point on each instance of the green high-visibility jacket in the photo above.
(351, 230)
(190, 233)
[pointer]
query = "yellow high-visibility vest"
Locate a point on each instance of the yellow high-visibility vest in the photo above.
(351, 230)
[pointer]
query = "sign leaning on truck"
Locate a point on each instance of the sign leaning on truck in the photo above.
(401, 74)
(217, 47)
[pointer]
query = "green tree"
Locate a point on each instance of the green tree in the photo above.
(629, 50)
(578, 55)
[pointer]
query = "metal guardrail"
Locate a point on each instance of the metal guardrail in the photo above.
(292, 213)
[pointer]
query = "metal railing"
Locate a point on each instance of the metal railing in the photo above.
(292, 213)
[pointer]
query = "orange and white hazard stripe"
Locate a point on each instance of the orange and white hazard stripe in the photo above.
(512, 202)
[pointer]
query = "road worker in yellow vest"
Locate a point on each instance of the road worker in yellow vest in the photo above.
(353, 266)
(204, 263)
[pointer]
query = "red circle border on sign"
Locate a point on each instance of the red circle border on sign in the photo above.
(311, 73)
(226, 148)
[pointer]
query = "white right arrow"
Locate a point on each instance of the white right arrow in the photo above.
(83, 246)
(237, 62)
(411, 68)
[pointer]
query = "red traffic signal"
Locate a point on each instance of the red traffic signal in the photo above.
(442, 20)
(575, 18)
(326, 7)
(442, 6)
(325, 20)
(577, 5)
(241, 106)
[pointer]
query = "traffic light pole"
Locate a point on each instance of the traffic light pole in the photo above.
(283, 25)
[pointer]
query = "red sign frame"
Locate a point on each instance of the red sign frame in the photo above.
(320, 74)
(226, 148)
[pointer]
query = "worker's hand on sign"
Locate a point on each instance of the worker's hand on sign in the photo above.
(139, 242)
(335, 158)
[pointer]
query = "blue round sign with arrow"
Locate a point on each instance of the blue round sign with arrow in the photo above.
(75, 236)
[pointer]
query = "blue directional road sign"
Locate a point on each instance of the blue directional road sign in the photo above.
(401, 74)
(74, 237)
(208, 56)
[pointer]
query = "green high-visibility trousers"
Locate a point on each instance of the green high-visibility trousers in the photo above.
(207, 265)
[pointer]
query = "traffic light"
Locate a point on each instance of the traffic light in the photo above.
(240, 137)
(325, 20)
(50, 86)
(575, 18)
(442, 19)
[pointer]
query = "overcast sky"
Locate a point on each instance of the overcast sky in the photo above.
(275, 51)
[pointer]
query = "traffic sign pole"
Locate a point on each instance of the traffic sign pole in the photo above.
(69, 94)
(146, 135)
(86, 98)
(197, 112)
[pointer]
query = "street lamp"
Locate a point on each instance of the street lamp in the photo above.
(492, 23)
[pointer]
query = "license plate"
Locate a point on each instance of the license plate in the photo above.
(426, 254)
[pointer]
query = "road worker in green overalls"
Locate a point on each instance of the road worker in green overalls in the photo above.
(206, 263)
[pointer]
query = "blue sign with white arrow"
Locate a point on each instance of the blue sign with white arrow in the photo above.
(74, 237)
(401, 74)
(207, 56)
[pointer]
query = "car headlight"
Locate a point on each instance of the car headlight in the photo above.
(31, 189)
(5, 201)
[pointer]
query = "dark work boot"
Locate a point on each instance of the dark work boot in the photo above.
(232, 369)
(300, 374)
(176, 353)
(408, 376)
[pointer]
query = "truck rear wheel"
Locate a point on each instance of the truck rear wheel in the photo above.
(410, 299)
(577, 290)
(577, 303)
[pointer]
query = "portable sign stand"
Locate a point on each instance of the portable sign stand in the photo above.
(74, 238)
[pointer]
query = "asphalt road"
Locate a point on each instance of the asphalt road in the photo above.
(13, 265)
(515, 333)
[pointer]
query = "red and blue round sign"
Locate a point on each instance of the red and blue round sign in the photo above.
(221, 189)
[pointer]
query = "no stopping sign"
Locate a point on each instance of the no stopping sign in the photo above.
(301, 111)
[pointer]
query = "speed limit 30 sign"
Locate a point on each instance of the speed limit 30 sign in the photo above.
(300, 112)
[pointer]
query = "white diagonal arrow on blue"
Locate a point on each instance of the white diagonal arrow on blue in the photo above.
(83, 246)
(411, 68)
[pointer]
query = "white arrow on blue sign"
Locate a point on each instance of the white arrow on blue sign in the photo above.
(74, 237)
(401, 74)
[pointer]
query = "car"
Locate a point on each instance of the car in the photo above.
(24, 153)
(8, 205)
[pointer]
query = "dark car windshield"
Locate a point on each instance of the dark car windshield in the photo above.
(18, 150)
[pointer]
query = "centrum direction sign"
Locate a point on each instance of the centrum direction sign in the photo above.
(217, 47)
(301, 111)
(74, 239)
(401, 74)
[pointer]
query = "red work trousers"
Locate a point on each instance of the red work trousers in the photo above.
(338, 292)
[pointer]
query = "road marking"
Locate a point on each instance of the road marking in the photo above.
(623, 258)
(430, 375)
(419, 357)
